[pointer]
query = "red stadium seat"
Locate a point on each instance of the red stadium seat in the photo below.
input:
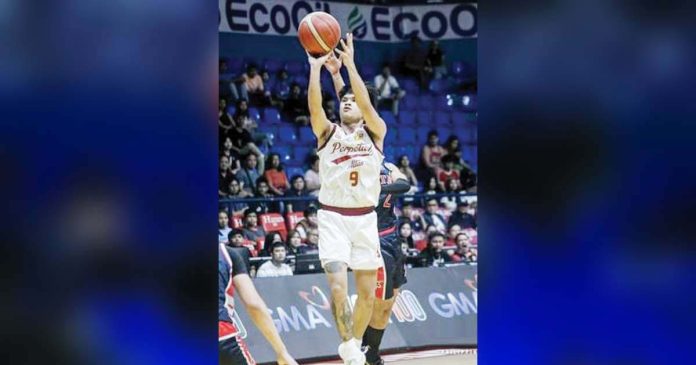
(236, 221)
(274, 222)
(293, 218)
(421, 245)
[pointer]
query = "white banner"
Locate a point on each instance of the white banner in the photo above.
(367, 22)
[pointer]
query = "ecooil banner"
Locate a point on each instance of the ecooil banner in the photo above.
(437, 307)
(367, 22)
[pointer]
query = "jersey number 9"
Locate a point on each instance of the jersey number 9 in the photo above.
(353, 178)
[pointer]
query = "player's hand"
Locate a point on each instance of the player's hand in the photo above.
(317, 61)
(333, 64)
(346, 53)
(285, 359)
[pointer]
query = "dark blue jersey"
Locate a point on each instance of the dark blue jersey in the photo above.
(230, 264)
(386, 218)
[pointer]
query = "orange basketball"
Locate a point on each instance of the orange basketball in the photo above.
(319, 33)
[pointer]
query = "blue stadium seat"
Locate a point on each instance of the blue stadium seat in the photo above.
(469, 153)
(285, 153)
(444, 102)
(271, 116)
(368, 72)
(458, 119)
(234, 65)
(469, 102)
(231, 109)
(438, 86)
(302, 152)
(406, 135)
(307, 136)
(294, 67)
(471, 117)
(286, 134)
(442, 119)
(301, 80)
(388, 117)
(273, 65)
(255, 114)
(409, 102)
(424, 118)
(410, 85)
(467, 133)
(423, 134)
(425, 102)
(407, 118)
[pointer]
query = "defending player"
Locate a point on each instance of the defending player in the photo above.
(232, 274)
(349, 164)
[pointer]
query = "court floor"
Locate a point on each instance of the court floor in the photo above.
(429, 357)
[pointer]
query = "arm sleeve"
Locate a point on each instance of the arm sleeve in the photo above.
(238, 264)
(398, 187)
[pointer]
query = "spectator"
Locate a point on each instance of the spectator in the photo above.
(236, 193)
(225, 121)
(415, 62)
(388, 90)
(312, 241)
(281, 87)
(434, 255)
(406, 234)
(452, 233)
(268, 242)
(464, 252)
(253, 83)
(276, 266)
(295, 107)
(432, 217)
(309, 222)
(435, 60)
(294, 243)
(463, 216)
(297, 190)
(226, 150)
(432, 153)
(246, 249)
(312, 179)
(431, 188)
(411, 216)
(248, 174)
(243, 143)
(243, 117)
(264, 205)
(227, 88)
(274, 174)
(467, 178)
(452, 146)
(252, 231)
(223, 227)
(454, 195)
(405, 168)
(225, 175)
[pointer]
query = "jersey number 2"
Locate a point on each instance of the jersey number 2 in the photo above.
(387, 201)
(353, 178)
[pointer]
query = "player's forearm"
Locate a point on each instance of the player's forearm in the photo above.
(362, 97)
(314, 91)
(338, 83)
(259, 315)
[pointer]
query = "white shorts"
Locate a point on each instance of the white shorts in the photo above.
(350, 239)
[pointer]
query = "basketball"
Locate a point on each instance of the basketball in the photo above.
(319, 33)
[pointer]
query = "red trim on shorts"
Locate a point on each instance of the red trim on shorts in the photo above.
(381, 288)
(387, 231)
(226, 329)
(348, 211)
(245, 351)
(327, 139)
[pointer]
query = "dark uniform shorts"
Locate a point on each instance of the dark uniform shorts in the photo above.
(393, 274)
(232, 350)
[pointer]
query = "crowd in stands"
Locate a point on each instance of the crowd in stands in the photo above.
(268, 167)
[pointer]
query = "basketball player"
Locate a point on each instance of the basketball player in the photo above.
(232, 274)
(392, 274)
(349, 164)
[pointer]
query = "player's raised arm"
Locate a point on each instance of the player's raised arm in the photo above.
(333, 65)
(373, 121)
(321, 126)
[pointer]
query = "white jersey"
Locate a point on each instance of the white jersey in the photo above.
(349, 166)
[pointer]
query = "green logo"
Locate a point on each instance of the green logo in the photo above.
(356, 23)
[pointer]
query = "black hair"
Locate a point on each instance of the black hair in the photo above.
(249, 211)
(309, 211)
(295, 177)
(276, 244)
(448, 158)
(371, 91)
(260, 180)
(431, 133)
(234, 232)
(313, 159)
(270, 157)
(436, 234)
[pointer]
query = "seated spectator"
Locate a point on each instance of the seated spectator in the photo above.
(467, 178)
(464, 252)
(452, 146)
(227, 88)
(452, 233)
(463, 216)
(406, 234)
(434, 255)
(294, 243)
(236, 193)
(243, 143)
(405, 168)
(281, 88)
(309, 222)
(225, 175)
(388, 90)
(262, 192)
(435, 60)
(276, 266)
(312, 178)
(430, 188)
(253, 83)
(243, 117)
(248, 174)
(411, 216)
(237, 241)
(252, 231)
(225, 121)
(268, 242)
(414, 63)
(432, 217)
(447, 172)
(432, 153)
(295, 107)
(223, 227)
(455, 195)
(274, 174)
(297, 190)
(312, 241)
(226, 150)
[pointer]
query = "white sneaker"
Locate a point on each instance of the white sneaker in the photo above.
(350, 353)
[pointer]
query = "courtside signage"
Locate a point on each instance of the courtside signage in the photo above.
(367, 22)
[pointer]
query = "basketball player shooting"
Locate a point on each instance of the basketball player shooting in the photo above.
(350, 159)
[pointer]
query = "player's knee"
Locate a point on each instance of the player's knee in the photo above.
(366, 293)
(339, 291)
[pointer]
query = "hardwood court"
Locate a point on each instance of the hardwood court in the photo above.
(429, 357)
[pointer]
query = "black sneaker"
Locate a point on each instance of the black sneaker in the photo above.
(378, 362)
